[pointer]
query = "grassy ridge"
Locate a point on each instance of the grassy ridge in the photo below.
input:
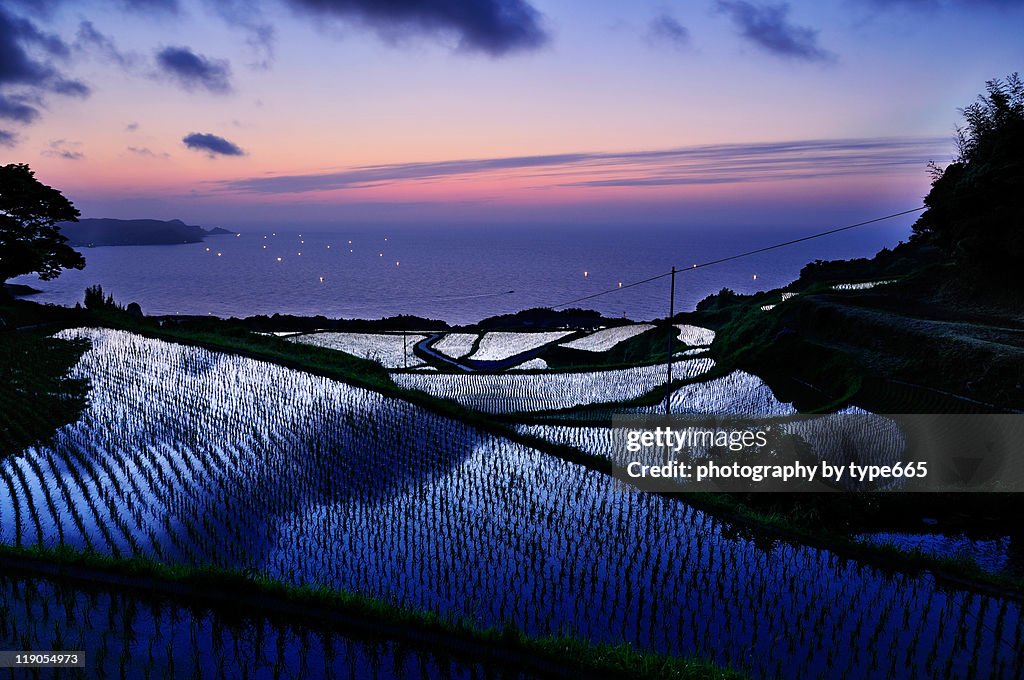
(246, 592)
(36, 396)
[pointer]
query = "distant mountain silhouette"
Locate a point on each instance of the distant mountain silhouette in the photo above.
(111, 232)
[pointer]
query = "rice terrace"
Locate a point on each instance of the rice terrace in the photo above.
(511, 339)
(378, 492)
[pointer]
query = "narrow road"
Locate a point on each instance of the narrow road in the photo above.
(425, 348)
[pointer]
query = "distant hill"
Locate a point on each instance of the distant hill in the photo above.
(111, 232)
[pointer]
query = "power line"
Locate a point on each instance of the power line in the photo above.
(683, 270)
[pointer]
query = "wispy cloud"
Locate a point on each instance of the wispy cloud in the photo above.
(90, 39)
(665, 28)
(62, 148)
(712, 164)
(146, 152)
(249, 17)
(769, 27)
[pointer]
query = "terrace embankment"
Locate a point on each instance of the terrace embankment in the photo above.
(925, 344)
(888, 351)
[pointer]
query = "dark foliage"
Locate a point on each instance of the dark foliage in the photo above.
(904, 259)
(30, 240)
(975, 209)
(542, 318)
(95, 300)
(309, 324)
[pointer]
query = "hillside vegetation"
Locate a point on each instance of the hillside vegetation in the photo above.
(935, 324)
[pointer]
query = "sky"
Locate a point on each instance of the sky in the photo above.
(494, 112)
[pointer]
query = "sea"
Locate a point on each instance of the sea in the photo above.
(458, 274)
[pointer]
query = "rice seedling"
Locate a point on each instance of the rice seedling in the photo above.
(606, 338)
(866, 285)
(532, 365)
(457, 345)
(738, 393)
(498, 345)
(597, 441)
(391, 350)
(695, 335)
(990, 554)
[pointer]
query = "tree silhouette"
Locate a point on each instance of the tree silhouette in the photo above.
(975, 209)
(30, 240)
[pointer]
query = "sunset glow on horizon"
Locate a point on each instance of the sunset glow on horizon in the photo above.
(520, 111)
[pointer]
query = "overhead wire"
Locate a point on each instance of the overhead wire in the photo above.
(737, 256)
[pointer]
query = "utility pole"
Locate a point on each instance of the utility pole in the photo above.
(405, 347)
(671, 337)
